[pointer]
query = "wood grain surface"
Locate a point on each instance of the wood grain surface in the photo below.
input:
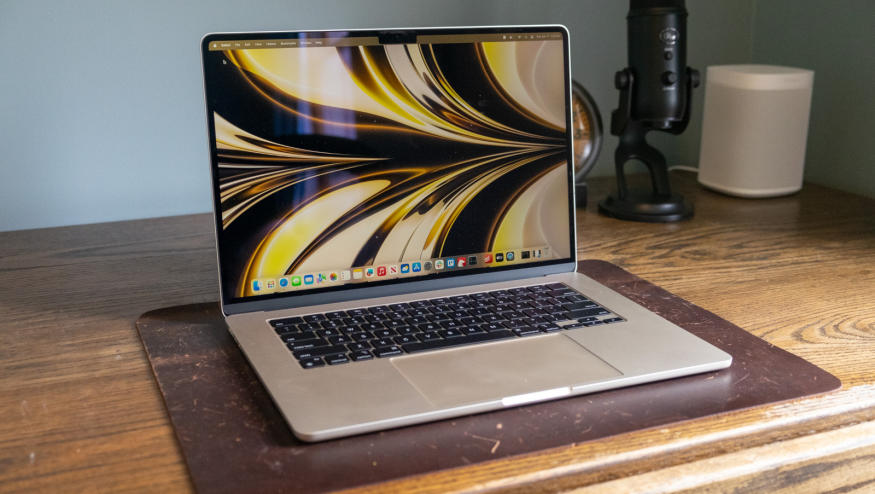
(82, 411)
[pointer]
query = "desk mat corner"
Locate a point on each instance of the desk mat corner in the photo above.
(233, 438)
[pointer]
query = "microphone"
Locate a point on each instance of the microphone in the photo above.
(655, 91)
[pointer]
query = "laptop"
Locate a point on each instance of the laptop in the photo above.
(395, 228)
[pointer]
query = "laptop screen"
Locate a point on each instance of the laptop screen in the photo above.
(367, 157)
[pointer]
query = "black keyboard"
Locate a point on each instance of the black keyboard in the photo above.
(340, 337)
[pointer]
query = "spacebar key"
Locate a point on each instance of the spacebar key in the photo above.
(462, 340)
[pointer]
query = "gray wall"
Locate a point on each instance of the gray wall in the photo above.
(101, 109)
(837, 40)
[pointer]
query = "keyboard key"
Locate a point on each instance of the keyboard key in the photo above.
(339, 340)
(577, 325)
(388, 351)
(451, 333)
(330, 323)
(378, 318)
(576, 314)
(306, 326)
(380, 342)
(492, 326)
(464, 340)
(281, 330)
(559, 294)
(304, 335)
(413, 321)
(612, 320)
(547, 327)
(309, 363)
(288, 321)
(429, 326)
(337, 358)
(579, 306)
(526, 331)
(314, 318)
(325, 333)
(406, 330)
(400, 340)
(473, 329)
(308, 343)
(513, 323)
(430, 336)
(384, 333)
(487, 318)
(318, 351)
(361, 355)
(357, 347)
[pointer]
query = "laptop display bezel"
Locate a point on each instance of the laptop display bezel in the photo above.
(293, 299)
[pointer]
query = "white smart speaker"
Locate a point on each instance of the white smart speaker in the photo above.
(754, 130)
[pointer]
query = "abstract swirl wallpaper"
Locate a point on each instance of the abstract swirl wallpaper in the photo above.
(342, 157)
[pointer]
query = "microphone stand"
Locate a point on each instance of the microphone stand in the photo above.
(655, 92)
(660, 205)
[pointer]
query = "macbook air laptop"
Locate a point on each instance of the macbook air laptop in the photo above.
(395, 228)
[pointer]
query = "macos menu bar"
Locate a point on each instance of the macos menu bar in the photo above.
(254, 44)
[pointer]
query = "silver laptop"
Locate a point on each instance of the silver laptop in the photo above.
(396, 232)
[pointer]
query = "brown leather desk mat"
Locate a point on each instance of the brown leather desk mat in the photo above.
(234, 439)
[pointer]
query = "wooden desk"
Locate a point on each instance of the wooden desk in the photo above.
(81, 411)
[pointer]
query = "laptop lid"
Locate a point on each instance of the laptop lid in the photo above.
(356, 164)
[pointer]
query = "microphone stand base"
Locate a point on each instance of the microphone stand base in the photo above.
(648, 208)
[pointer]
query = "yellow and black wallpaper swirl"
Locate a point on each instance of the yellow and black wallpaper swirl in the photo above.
(347, 156)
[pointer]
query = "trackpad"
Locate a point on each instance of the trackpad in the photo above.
(500, 370)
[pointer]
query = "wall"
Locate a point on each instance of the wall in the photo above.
(836, 40)
(101, 107)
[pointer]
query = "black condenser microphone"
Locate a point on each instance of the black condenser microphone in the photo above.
(655, 92)
(658, 61)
